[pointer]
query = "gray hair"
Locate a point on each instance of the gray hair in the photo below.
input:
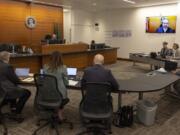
(4, 56)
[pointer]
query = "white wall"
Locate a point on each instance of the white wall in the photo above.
(134, 20)
(67, 26)
(177, 40)
(81, 26)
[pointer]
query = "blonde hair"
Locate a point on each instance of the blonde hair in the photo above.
(4, 56)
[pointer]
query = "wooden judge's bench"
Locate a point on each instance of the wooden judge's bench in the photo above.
(74, 55)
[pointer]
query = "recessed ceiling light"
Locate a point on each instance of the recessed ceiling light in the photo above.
(130, 1)
(94, 4)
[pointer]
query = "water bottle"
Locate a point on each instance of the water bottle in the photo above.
(13, 49)
(41, 71)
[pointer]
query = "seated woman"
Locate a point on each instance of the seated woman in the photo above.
(56, 68)
(175, 50)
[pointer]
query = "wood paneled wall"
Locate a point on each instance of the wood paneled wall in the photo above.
(12, 25)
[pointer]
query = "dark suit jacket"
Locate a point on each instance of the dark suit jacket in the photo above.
(98, 73)
(160, 30)
(8, 78)
(166, 52)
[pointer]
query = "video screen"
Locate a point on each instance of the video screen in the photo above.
(161, 24)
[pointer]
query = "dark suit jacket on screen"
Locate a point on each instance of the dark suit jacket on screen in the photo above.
(98, 73)
(160, 30)
(8, 79)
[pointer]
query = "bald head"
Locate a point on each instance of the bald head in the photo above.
(99, 59)
(4, 56)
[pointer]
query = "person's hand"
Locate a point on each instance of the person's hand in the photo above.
(174, 71)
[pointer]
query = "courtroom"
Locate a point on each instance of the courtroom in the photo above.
(89, 67)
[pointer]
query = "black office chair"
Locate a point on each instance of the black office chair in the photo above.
(47, 101)
(96, 108)
(2, 116)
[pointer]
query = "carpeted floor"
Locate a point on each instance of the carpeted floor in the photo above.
(167, 118)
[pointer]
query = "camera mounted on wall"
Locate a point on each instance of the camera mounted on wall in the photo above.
(96, 26)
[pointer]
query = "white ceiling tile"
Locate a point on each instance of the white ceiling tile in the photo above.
(107, 4)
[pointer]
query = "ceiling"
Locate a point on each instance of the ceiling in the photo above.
(94, 5)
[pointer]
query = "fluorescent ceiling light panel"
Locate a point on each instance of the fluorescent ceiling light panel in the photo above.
(130, 1)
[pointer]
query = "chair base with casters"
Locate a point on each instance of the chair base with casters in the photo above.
(53, 122)
(48, 101)
(2, 122)
(97, 127)
(4, 116)
(98, 124)
(96, 108)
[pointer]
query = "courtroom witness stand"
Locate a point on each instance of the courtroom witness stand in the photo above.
(15, 95)
(56, 68)
(97, 73)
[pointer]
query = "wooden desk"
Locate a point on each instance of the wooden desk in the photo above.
(64, 48)
(34, 61)
(73, 56)
(150, 82)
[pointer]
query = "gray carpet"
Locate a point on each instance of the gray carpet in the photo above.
(167, 118)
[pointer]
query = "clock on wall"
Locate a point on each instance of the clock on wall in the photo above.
(30, 22)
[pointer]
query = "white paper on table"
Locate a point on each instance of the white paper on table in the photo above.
(162, 70)
(31, 75)
(29, 79)
(73, 83)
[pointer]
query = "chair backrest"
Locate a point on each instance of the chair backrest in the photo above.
(96, 97)
(170, 66)
(47, 94)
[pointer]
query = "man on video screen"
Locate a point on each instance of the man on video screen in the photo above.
(164, 27)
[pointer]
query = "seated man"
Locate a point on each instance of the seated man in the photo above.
(165, 51)
(54, 39)
(164, 27)
(15, 95)
(98, 73)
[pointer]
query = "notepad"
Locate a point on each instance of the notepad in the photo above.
(162, 70)
(29, 79)
(73, 83)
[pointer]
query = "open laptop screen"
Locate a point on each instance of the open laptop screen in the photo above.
(71, 71)
(22, 71)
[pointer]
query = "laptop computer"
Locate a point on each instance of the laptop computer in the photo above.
(71, 72)
(22, 72)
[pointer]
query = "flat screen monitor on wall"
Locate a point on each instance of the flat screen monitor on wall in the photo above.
(161, 24)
